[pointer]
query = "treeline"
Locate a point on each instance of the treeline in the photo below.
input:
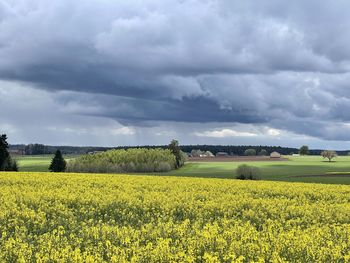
(39, 149)
(230, 149)
(235, 149)
(126, 161)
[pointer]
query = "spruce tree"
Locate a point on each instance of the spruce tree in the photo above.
(58, 164)
(4, 154)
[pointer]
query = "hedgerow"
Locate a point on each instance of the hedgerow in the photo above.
(124, 161)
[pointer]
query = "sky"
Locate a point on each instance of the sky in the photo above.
(142, 72)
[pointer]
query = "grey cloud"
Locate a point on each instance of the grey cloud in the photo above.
(275, 63)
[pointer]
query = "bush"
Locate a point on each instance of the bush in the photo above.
(125, 161)
(246, 172)
(10, 165)
(250, 152)
(14, 166)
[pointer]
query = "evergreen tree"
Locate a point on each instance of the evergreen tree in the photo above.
(58, 164)
(6, 162)
(4, 154)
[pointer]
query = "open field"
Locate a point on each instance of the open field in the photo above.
(48, 217)
(295, 169)
(36, 163)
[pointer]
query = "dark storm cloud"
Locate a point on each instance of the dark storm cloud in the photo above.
(136, 111)
(278, 63)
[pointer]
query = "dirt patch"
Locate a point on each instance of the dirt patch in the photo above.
(236, 159)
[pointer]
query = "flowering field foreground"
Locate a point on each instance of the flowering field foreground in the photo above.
(119, 218)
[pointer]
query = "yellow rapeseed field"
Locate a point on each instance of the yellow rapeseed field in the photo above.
(119, 218)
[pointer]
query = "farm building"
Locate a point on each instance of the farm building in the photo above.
(207, 154)
(275, 155)
(221, 154)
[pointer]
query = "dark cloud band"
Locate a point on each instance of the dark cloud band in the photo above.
(186, 61)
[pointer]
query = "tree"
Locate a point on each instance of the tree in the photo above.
(329, 155)
(4, 154)
(263, 152)
(58, 164)
(6, 162)
(304, 150)
(250, 152)
(175, 150)
(196, 153)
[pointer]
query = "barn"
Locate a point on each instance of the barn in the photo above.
(275, 155)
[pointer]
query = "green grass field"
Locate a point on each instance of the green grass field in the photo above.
(298, 169)
(34, 163)
(38, 163)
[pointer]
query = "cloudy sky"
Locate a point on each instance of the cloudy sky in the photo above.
(113, 72)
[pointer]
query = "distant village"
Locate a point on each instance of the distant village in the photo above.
(249, 152)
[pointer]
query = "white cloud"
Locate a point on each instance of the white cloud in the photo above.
(273, 132)
(165, 133)
(123, 131)
(224, 133)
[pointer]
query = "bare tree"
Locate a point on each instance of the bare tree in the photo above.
(329, 155)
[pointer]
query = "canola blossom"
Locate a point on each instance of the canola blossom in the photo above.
(122, 218)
